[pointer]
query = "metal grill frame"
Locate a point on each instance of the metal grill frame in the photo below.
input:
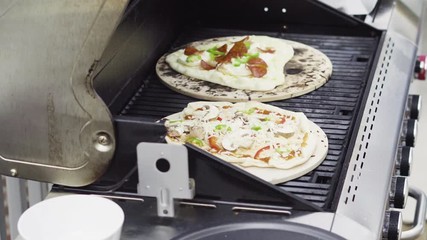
(340, 100)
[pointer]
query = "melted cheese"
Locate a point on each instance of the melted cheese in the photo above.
(238, 77)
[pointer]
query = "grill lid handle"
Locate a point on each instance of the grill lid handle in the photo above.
(420, 213)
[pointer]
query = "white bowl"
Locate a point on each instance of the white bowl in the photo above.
(81, 217)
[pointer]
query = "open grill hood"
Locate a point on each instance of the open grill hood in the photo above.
(54, 127)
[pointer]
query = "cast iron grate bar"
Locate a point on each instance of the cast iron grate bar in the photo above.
(332, 106)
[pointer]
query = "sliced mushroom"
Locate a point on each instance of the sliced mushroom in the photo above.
(245, 142)
(228, 143)
(212, 112)
(175, 132)
(285, 131)
(197, 131)
(188, 111)
(238, 139)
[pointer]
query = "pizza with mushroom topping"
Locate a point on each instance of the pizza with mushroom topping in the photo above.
(249, 134)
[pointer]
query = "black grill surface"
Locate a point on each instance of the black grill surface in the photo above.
(333, 107)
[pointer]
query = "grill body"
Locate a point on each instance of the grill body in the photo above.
(360, 109)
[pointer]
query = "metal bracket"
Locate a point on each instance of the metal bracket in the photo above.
(163, 173)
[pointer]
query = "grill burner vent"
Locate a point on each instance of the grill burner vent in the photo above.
(368, 124)
(332, 106)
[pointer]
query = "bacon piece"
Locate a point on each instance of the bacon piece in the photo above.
(223, 48)
(267, 50)
(257, 66)
(190, 50)
(206, 66)
(238, 50)
(244, 39)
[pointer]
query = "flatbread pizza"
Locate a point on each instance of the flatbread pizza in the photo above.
(250, 134)
(243, 68)
(248, 63)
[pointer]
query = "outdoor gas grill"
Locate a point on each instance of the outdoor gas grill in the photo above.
(83, 143)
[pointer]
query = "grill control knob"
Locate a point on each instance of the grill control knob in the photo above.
(409, 132)
(392, 228)
(420, 68)
(399, 192)
(404, 161)
(413, 107)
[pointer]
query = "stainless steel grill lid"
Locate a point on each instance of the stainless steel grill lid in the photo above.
(53, 126)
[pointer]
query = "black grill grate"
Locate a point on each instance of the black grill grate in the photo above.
(333, 107)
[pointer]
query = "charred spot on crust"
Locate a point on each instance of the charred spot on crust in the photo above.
(299, 51)
(293, 71)
(293, 68)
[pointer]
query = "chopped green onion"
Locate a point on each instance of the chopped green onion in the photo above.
(221, 127)
(236, 62)
(256, 128)
(250, 111)
(193, 58)
(282, 150)
(244, 59)
(247, 44)
(252, 55)
(196, 141)
(212, 56)
(215, 51)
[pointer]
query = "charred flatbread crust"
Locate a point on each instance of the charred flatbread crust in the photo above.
(275, 170)
(308, 70)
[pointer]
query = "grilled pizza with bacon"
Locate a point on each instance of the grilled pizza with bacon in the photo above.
(250, 134)
(243, 68)
(248, 63)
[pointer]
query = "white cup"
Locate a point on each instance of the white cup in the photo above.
(71, 217)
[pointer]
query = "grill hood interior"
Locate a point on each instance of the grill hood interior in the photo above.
(54, 126)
